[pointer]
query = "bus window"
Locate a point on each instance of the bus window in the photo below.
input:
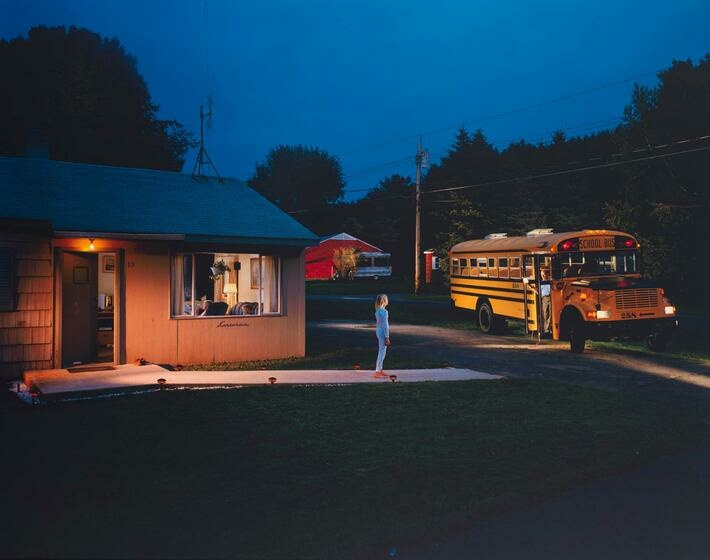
(482, 267)
(455, 267)
(503, 267)
(464, 267)
(492, 270)
(515, 267)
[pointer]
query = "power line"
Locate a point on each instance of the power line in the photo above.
(566, 172)
(554, 173)
(512, 111)
(366, 172)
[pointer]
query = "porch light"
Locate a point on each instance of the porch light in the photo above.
(91, 245)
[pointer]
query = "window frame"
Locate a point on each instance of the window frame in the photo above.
(260, 289)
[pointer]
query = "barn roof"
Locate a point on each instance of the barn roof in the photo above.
(80, 198)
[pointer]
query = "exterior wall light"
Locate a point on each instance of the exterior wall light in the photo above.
(91, 245)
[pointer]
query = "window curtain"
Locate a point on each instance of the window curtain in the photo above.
(178, 286)
(270, 284)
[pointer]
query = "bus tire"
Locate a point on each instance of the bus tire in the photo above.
(657, 341)
(577, 334)
(488, 322)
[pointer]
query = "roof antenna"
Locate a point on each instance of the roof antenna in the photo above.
(204, 162)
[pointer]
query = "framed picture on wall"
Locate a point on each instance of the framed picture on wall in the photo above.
(109, 263)
(254, 274)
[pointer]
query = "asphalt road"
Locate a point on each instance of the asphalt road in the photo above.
(660, 511)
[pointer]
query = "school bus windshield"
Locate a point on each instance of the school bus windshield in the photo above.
(597, 263)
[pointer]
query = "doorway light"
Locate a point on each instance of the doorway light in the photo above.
(91, 245)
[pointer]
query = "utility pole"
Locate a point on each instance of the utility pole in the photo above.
(422, 155)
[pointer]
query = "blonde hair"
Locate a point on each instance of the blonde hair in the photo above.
(381, 301)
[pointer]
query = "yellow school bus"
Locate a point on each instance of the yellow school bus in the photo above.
(570, 286)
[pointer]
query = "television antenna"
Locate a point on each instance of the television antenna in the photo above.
(204, 161)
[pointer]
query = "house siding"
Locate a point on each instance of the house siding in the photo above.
(26, 334)
(152, 334)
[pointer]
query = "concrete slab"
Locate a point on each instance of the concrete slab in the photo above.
(56, 382)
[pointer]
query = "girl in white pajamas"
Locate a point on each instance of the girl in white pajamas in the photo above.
(382, 330)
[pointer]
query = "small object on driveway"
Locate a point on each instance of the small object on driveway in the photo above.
(356, 365)
(393, 378)
(162, 381)
(140, 362)
(272, 380)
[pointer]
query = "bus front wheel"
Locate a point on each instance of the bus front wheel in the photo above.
(577, 337)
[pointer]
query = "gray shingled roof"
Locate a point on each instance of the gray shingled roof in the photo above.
(76, 197)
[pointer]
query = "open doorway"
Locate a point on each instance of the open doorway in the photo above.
(88, 296)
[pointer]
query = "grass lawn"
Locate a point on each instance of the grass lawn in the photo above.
(289, 471)
(364, 286)
(321, 356)
(400, 312)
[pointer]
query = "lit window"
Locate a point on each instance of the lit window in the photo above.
(219, 284)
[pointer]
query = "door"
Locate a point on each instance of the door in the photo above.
(529, 294)
(79, 308)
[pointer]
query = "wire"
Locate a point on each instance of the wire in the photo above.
(554, 173)
(512, 111)
(566, 172)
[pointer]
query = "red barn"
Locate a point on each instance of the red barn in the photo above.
(372, 262)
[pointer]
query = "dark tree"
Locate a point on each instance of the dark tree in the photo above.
(299, 178)
(82, 96)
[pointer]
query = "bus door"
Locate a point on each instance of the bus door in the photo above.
(530, 310)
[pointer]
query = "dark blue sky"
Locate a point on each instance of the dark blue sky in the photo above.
(341, 74)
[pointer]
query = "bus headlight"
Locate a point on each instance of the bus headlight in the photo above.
(603, 314)
(670, 310)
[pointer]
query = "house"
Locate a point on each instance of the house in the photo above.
(372, 262)
(111, 264)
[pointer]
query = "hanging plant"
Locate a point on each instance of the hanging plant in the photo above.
(218, 269)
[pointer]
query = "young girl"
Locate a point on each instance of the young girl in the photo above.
(382, 330)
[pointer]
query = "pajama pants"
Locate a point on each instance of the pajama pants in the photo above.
(381, 352)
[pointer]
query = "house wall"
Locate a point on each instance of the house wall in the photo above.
(26, 334)
(152, 334)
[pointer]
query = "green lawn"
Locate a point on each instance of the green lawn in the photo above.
(400, 312)
(294, 471)
(366, 286)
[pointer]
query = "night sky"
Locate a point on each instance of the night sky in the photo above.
(342, 75)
